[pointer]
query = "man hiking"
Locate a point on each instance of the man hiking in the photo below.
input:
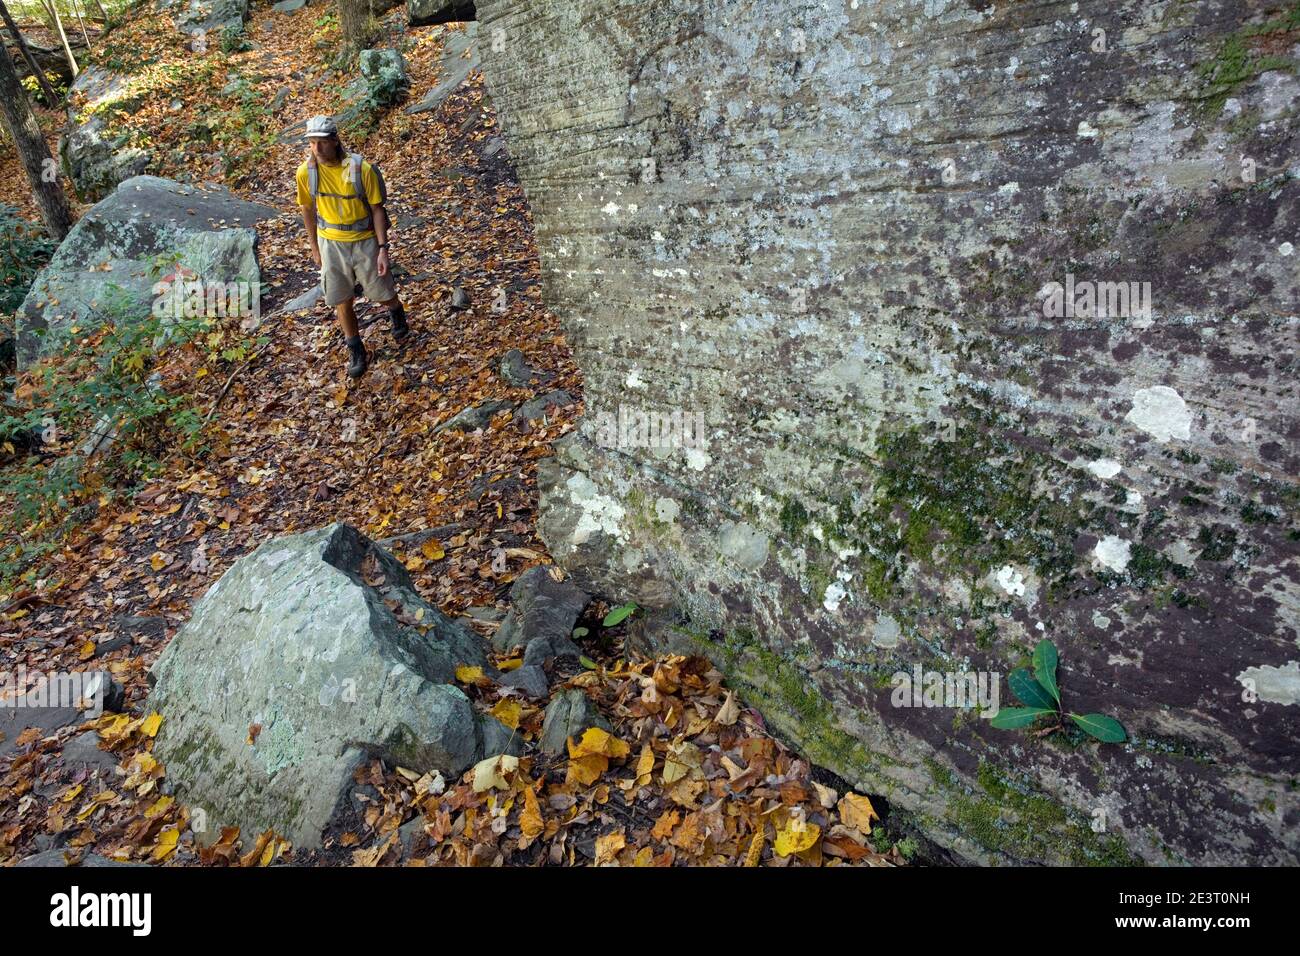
(342, 198)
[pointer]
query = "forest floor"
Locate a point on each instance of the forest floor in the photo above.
(291, 444)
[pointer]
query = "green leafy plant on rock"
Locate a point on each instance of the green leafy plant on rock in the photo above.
(1041, 695)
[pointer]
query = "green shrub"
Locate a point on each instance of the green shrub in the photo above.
(24, 250)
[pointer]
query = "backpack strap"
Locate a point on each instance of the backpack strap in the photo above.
(358, 192)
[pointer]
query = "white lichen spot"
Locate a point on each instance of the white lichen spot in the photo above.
(667, 510)
(1009, 189)
(1100, 620)
(1087, 130)
(1011, 581)
(1105, 468)
(610, 208)
(836, 593)
(697, 459)
(599, 513)
(634, 379)
(1276, 685)
(1161, 413)
(1286, 249)
(1113, 552)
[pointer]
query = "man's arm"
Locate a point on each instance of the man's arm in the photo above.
(309, 222)
(381, 234)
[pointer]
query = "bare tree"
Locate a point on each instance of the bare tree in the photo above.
(50, 96)
(82, 23)
(52, 12)
(42, 172)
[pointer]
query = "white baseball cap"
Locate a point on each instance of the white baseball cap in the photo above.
(321, 126)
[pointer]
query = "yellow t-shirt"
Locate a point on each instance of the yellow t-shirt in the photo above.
(335, 179)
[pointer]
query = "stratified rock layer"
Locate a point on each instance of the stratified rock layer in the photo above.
(844, 237)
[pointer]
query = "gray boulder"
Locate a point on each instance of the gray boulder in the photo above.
(514, 368)
(530, 679)
(536, 408)
(94, 159)
(568, 715)
(427, 12)
(459, 58)
(541, 607)
(111, 261)
(320, 644)
(208, 17)
(915, 457)
(469, 419)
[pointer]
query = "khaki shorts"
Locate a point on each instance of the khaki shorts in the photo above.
(344, 264)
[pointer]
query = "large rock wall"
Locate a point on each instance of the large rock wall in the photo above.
(829, 230)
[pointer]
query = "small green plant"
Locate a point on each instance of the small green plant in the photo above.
(618, 615)
(24, 250)
(1039, 692)
(234, 40)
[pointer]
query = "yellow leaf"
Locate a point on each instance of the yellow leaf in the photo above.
(158, 561)
(796, 836)
(530, 821)
(151, 724)
(597, 741)
(608, 846)
(856, 811)
(508, 710)
(471, 675)
(645, 766)
(166, 844)
(87, 651)
(507, 666)
(159, 807)
(755, 851)
(432, 550)
(587, 769)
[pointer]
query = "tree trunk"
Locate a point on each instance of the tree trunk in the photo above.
(356, 24)
(50, 96)
(55, 19)
(81, 23)
(42, 171)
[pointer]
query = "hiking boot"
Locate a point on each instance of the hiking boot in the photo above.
(358, 361)
(397, 320)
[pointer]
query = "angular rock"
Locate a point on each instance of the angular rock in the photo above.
(288, 6)
(514, 368)
(427, 12)
(294, 642)
(535, 408)
(83, 751)
(541, 607)
(208, 18)
(94, 159)
(568, 715)
(902, 414)
(530, 679)
(470, 419)
(107, 267)
(499, 739)
(307, 300)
